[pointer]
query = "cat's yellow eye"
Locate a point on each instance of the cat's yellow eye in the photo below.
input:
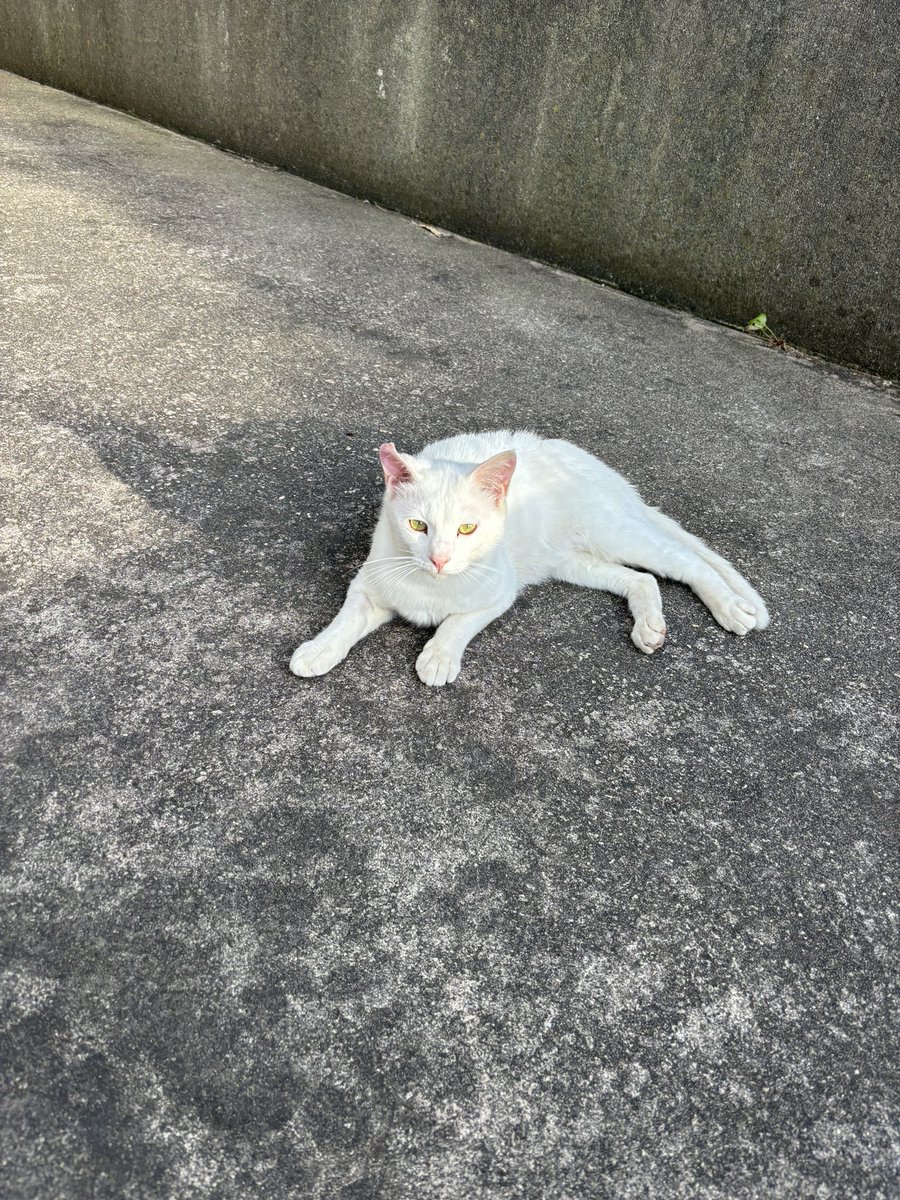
(417, 526)
(467, 529)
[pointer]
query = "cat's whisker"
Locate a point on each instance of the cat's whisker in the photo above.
(385, 572)
(371, 562)
(482, 567)
(393, 572)
(479, 571)
(384, 577)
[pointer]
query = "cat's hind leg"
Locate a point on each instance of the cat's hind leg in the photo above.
(656, 549)
(637, 587)
(359, 615)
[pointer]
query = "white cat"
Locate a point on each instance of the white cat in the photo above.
(473, 519)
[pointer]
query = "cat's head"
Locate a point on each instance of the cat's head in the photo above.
(446, 515)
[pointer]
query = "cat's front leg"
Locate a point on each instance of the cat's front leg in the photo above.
(440, 661)
(359, 615)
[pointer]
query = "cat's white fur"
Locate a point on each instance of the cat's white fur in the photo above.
(543, 510)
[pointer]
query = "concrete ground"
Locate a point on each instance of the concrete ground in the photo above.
(584, 924)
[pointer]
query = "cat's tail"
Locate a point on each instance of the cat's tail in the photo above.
(733, 578)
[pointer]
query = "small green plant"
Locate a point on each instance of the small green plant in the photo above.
(760, 325)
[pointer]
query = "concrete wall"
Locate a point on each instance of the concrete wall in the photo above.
(723, 157)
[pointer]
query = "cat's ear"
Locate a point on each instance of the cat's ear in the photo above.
(396, 466)
(494, 475)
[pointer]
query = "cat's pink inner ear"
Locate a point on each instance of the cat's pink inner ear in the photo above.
(494, 475)
(395, 466)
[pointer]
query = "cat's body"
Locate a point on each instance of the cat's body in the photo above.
(501, 511)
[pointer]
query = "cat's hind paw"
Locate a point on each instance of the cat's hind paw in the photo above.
(649, 633)
(316, 657)
(736, 614)
(437, 666)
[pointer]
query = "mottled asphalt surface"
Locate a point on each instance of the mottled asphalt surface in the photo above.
(585, 924)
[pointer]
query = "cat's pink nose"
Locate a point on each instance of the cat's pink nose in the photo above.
(440, 561)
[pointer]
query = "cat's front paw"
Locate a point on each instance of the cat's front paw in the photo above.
(437, 665)
(316, 657)
(649, 633)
